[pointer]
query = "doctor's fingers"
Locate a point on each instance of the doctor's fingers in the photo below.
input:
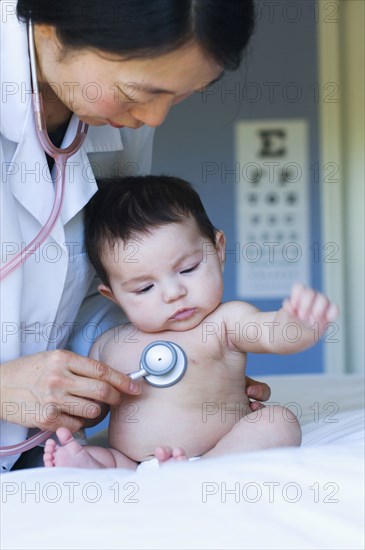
(61, 419)
(100, 382)
(257, 390)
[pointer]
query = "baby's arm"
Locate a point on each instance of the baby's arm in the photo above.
(297, 326)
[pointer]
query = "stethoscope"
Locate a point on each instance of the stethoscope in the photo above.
(60, 157)
(162, 364)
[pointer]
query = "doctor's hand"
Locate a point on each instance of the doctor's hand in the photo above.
(59, 388)
(258, 391)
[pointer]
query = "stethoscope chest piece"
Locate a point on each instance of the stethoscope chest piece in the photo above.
(162, 364)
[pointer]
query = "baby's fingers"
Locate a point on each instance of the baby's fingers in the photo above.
(296, 295)
(332, 313)
(320, 308)
(323, 310)
(289, 308)
(305, 305)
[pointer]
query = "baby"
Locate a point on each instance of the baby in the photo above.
(161, 260)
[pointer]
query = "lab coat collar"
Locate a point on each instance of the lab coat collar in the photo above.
(15, 78)
(17, 125)
(80, 180)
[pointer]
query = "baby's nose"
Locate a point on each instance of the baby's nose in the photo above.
(174, 291)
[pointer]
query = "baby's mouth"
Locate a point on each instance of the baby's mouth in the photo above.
(183, 313)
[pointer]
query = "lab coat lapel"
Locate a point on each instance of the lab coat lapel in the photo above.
(29, 176)
(80, 181)
(28, 173)
(31, 180)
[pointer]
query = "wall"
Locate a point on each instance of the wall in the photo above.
(352, 49)
(277, 80)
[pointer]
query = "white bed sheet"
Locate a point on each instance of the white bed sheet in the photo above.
(306, 498)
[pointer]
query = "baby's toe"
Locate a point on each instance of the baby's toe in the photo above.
(163, 453)
(179, 454)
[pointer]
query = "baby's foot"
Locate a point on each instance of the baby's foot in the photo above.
(167, 454)
(69, 453)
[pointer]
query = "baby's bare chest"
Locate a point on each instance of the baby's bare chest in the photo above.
(213, 373)
(124, 353)
(193, 413)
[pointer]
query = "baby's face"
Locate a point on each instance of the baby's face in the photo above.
(170, 279)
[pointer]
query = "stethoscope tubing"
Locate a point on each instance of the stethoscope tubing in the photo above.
(26, 445)
(60, 157)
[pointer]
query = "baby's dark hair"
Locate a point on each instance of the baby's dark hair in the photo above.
(124, 207)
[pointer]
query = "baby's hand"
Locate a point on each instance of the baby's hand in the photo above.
(310, 306)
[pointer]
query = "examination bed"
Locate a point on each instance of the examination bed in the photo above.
(292, 498)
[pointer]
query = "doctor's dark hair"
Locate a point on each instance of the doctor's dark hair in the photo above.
(148, 28)
(124, 208)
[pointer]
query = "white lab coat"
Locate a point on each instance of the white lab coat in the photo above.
(50, 301)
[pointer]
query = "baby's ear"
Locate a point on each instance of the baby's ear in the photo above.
(107, 292)
(220, 244)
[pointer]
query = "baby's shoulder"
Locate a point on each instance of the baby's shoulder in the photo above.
(234, 309)
(112, 339)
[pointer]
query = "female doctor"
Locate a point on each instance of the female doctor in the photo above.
(118, 66)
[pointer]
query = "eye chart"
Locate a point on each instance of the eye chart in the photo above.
(272, 207)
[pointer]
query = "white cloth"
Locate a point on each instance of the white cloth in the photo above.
(153, 464)
(51, 301)
(305, 498)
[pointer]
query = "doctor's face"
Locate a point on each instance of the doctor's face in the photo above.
(102, 88)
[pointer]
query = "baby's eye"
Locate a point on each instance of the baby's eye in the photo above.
(190, 269)
(144, 290)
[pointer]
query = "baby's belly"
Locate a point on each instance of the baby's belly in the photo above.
(137, 428)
